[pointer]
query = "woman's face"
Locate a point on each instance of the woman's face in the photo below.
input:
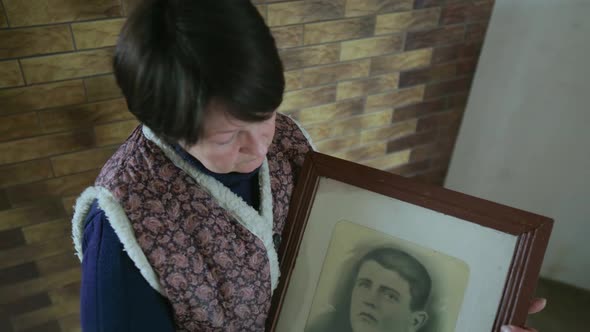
(231, 145)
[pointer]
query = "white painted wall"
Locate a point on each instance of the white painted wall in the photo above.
(525, 138)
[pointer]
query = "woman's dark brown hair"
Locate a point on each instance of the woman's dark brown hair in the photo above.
(174, 56)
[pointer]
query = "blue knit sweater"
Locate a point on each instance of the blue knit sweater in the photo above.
(114, 295)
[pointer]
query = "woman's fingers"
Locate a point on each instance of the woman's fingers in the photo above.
(511, 328)
(537, 305)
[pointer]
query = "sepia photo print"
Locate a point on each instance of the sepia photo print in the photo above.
(375, 282)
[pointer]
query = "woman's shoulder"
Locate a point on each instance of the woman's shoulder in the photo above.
(97, 230)
(288, 126)
(290, 137)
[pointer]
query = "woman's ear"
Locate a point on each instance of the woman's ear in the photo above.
(419, 319)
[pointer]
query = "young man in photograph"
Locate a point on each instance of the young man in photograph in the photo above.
(387, 291)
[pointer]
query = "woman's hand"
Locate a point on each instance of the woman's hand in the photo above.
(536, 306)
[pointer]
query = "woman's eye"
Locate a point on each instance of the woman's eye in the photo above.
(226, 142)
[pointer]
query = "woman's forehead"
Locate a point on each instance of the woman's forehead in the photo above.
(219, 120)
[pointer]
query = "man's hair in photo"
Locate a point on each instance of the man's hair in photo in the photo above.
(174, 56)
(399, 261)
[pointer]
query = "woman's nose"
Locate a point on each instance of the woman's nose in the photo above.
(255, 145)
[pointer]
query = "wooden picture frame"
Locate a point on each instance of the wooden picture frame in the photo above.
(337, 203)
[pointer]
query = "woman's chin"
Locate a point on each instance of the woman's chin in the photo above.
(249, 166)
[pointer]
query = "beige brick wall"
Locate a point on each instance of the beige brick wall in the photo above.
(379, 82)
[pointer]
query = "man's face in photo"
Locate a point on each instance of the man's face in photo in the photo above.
(381, 301)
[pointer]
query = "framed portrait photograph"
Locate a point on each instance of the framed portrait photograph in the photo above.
(367, 250)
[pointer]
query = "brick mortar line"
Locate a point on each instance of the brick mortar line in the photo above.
(340, 41)
(85, 85)
(59, 107)
(373, 35)
(75, 131)
(319, 86)
(371, 143)
(353, 17)
(365, 111)
(335, 120)
(53, 81)
(83, 78)
(5, 14)
(356, 116)
(440, 81)
(419, 29)
(369, 58)
(335, 83)
(40, 25)
(39, 55)
(48, 25)
(22, 72)
(38, 182)
(73, 38)
(368, 129)
(75, 51)
(78, 105)
(112, 146)
(344, 61)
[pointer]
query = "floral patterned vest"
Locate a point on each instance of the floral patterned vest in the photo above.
(197, 243)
